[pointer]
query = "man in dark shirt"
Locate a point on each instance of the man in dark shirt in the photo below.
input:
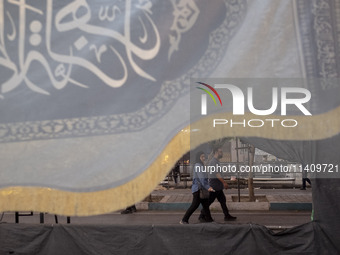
(218, 184)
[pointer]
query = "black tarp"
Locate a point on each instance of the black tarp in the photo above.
(310, 238)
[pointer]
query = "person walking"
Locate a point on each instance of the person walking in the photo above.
(218, 184)
(305, 179)
(200, 181)
(176, 172)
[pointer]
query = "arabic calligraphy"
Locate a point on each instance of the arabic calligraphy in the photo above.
(61, 59)
(185, 13)
(94, 39)
(104, 13)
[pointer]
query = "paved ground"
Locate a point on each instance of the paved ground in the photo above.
(273, 220)
(273, 195)
(267, 199)
(169, 206)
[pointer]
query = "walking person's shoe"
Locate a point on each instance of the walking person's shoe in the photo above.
(229, 218)
(209, 220)
(203, 219)
(183, 222)
(303, 188)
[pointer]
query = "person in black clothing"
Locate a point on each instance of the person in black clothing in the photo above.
(200, 181)
(175, 172)
(304, 178)
(218, 184)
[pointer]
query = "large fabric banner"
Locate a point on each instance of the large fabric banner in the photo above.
(95, 95)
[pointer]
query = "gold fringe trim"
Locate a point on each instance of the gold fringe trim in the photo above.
(60, 202)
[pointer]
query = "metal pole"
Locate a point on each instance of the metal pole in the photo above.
(16, 217)
(41, 218)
